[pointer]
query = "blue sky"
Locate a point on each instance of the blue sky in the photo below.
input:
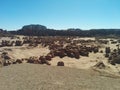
(60, 14)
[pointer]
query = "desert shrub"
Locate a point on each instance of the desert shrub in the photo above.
(107, 50)
(60, 63)
(19, 61)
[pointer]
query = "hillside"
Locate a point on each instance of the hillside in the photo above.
(40, 30)
(4, 33)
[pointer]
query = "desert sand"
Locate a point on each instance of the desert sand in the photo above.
(78, 74)
(42, 77)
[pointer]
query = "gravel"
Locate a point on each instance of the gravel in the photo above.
(42, 77)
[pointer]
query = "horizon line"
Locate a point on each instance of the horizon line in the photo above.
(55, 28)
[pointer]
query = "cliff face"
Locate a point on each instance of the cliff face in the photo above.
(33, 27)
(32, 30)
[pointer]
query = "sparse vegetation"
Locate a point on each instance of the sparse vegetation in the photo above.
(68, 48)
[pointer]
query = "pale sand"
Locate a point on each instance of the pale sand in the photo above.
(40, 77)
(82, 63)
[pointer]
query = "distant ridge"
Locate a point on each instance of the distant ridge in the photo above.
(34, 27)
(40, 30)
(4, 33)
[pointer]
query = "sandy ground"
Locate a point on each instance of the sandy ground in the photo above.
(42, 77)
(18, 52)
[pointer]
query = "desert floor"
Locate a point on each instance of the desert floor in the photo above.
(78, 74)
(42, 77)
